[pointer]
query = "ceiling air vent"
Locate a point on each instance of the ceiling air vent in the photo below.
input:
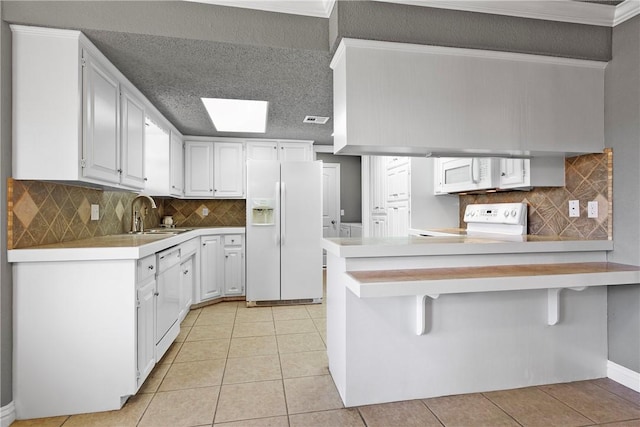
(316, 119)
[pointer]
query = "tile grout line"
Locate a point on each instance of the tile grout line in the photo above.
(501, 409)
(224, 369)
(566, 404)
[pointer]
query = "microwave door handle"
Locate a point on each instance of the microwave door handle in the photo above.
(475, 170)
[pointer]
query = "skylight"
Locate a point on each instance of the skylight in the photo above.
(237, 115)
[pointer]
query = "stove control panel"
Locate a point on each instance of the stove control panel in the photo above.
(496, 213)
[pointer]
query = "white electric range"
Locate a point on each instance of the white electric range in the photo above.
(505, 220)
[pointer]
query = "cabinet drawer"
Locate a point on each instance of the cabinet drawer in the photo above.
(189, 248)
(232, 240)
(146, 268)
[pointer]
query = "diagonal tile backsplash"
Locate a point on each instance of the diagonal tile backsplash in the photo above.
(43, 212)
(588, 177)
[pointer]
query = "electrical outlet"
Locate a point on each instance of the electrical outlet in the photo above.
(592, 209)
(205, 211)
(95, 212)
(574, 208)
(341, 212)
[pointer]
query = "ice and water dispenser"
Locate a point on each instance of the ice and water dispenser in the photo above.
(263, 211)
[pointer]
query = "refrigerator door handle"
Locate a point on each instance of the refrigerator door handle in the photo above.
(283, 210)
(276, 233)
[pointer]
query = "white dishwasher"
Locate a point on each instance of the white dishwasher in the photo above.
(167, 299)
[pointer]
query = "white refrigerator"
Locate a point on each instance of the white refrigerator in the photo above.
(284, 231)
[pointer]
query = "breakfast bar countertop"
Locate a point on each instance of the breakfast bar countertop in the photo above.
(418, 245)
(112, 247)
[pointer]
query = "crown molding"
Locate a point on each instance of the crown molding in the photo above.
(551, 10)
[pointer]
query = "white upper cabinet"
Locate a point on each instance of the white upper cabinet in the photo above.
(132, 169)
(295, 151)
(417, 99)
(228, 169)
(285, 151)
(101, 124)
(524, 174)
(198, 169)
(214, 169)
(176, 160)
(72, 105)
(262, 150)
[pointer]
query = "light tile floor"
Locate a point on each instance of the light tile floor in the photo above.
(267, 366)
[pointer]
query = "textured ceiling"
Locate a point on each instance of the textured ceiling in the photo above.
(175, 73)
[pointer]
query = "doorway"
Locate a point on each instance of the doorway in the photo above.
(330, 202)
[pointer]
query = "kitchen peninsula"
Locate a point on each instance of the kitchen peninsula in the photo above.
(416, 317)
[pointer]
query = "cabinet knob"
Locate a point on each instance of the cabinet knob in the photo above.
(156, 293)
(119, 170)
(150, 267)
(146, 179)
(185, 272)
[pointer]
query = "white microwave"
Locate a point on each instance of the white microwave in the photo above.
(461, 174)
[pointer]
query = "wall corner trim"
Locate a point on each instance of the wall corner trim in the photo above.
(624, 376)
(7, 414)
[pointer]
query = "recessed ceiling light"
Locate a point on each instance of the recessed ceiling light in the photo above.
(237, 115)
(315, 119)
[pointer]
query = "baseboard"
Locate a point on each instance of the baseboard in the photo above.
(7, 414)
(624, 376)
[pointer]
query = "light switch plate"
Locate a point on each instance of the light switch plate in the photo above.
(95, 212)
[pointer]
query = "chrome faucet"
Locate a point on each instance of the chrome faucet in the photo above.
(137, 223)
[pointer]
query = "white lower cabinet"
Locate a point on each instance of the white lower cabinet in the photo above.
(145, 318)
(188, 274)
(233, 265)
(210, 268)
(221, 266)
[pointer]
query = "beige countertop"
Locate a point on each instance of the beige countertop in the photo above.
(417, 245)
(118, 246)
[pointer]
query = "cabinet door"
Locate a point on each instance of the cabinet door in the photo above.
(211, 268)
(228, 169)
(101, 112)
(379, 227)
(133, 141)
(398, 183)
(186, 285)
(398, 218)
(145, 330)
(295, 151)
(198, 169)
(378, 188)
(233, 271)
(262, 150)
(176, 161)
(512, 173)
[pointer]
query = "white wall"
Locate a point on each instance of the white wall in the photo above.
(622, 133)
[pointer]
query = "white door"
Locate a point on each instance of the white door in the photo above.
(301, 219)
(330, 199)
